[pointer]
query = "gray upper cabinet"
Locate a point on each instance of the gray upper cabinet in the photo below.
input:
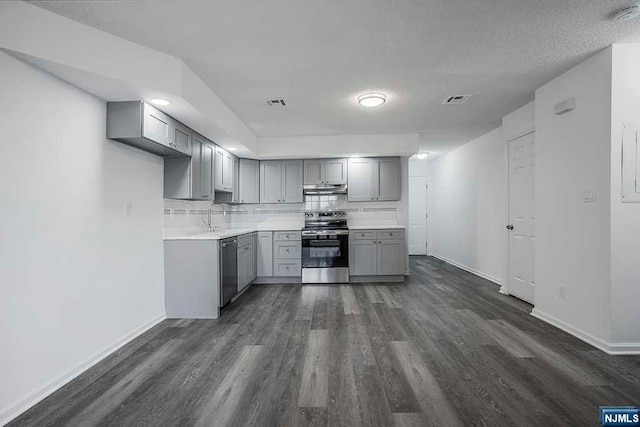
(235, 198)
(336, 171)
(181, 137)
(208, 173)
(292, 181)
(281, 181)
(314, 172)
(191, 177)
(249, 177)
(270, 182)
(387, 178)
(223, 167)
(325, 171)
(360, 188)
(372, 179)
(143, 126)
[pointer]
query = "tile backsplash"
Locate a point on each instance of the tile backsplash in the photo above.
(188, 213)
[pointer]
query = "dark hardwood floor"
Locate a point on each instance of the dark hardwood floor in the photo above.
(443, 349)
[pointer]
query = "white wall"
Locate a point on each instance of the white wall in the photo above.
(625, 217)
(468, 205)
(338, 146)
(77, 276)
(573, 237)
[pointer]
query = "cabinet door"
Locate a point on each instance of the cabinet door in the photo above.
(391, 257)
(254, 262)
(218, 169)
(335, 171)
(314, 172)
(360, 180)
(227, 172)
(387, 179)
(241, 268)
(271, 181)
(181, 137)
(197, 171)
(362, 257)
(248, 265)
(265, 254)
(235, 197)
(155, 125)
(292, 181)
(249, 181)
(208, 175)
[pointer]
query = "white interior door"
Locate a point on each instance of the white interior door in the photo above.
(417, 215)
(522, 220)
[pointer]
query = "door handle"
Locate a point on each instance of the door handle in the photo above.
(510, 227)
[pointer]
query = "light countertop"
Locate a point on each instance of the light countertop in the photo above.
(377, 227)
(191, 234)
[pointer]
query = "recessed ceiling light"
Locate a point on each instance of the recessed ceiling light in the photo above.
(161, 102)
(628, 13)
(422, 156)
(233, 149)
(372, 99)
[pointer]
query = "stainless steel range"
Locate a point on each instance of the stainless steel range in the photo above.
(325, 247)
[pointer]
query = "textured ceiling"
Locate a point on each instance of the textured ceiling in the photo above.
(319, 55)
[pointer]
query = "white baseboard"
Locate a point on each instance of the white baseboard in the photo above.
(609, 348)
(26, 402)
(469, 269)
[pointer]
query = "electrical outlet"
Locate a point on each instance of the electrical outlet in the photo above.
(562, 291)
(128, 209)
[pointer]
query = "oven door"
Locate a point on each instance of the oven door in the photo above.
(325, 249)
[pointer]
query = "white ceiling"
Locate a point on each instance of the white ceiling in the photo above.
(319, 55)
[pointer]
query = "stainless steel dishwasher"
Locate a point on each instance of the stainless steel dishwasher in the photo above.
(228, 270)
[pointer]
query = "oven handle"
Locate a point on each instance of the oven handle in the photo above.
(326, 233)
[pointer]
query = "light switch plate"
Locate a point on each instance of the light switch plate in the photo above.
(589, 195)
(128, 209)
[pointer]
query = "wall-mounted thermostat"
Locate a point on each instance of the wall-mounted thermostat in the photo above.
(630, 164)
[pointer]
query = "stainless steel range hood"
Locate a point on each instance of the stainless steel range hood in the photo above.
(324, 189)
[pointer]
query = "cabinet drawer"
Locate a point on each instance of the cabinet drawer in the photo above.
(362, 235)
(245, 239)
(287, 236)
(287, 249)
(391, 234)
(287, 268)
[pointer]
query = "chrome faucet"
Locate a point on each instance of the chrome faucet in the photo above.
(209, 226)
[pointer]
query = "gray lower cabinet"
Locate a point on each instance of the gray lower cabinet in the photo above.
(143, 126)
(377, 252)
(249, 181)
(363, 257)
(191, 177)
(246, 260)
(281, 181)
(265, 254)
(287, 249)
(192, 279)
(374, 179)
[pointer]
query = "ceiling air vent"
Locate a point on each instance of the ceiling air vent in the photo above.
(276, 102)
(455, 99)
